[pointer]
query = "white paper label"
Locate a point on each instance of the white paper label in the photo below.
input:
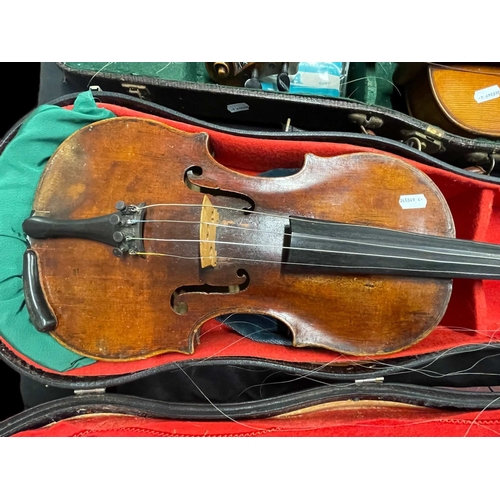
(487, 94)
(318, 80)
(240, 106)
(412, 201)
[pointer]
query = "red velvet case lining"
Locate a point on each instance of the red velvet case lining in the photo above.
(473, 315)
(375, 421)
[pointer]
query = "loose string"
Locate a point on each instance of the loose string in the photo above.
(375, 364)
(368, 362)
(311, 374)
(302, 428)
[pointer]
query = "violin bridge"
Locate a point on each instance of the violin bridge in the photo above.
(209, 217)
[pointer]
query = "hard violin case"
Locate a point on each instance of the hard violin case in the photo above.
(245, 376)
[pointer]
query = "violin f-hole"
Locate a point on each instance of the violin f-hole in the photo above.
(193, 179)
(177, 299)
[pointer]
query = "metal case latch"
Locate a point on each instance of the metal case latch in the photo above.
(430, 141)
(141, 91)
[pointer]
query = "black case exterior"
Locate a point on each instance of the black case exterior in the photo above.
(272, 111)
(169, 392)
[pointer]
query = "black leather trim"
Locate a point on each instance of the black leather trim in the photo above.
(429, 369)
(87, 404)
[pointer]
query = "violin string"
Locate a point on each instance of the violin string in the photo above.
(413, 422)
(225, 415)
(219, 207)
(372, 78)
(233, 209)
(439, 418)
(299, 235)
(401, 369)
(440, 355)
(367, 269)
(259, 330)
(423, 370)
(243, 423)
(378, 364)
(227, 226)
(205, 396)
(307, 375)
(479, 414)
(311, 373)
(308, 249)
(241, 338)
(377, 361)
(475, 422)
(396, 423)
(99, 71)
(196, 222)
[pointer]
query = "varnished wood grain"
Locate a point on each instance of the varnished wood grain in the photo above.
(116, 309)
(445, 97)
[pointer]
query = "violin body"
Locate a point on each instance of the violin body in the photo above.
(138, 305)
(463, 99)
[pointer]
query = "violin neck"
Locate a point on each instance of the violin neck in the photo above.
(356, 249)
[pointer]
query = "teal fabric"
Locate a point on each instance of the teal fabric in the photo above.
(21, 166)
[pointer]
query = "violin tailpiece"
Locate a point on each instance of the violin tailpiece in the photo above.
(122, 230)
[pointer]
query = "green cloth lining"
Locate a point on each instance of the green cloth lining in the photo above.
(21, 166)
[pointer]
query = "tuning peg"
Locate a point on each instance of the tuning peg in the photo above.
(253, 81)
(283, 80)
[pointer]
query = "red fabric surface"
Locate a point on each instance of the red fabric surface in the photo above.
(473, 314)
(381, 421)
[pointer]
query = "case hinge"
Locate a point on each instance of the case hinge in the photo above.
(375, 380)
(99, 390)
(430, 141)
(141, 91)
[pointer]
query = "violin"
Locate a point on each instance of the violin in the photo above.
(461, 98)
(138, 236)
